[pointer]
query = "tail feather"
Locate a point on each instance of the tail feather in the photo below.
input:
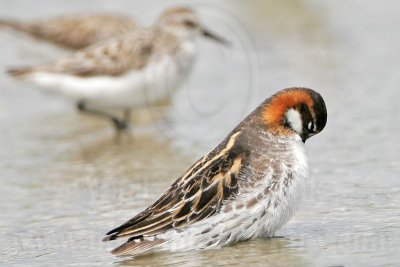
(19, 72)
(136, 246)
(16, 25)
(110, 237)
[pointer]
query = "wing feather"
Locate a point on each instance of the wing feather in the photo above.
(112, 57)
(136, 247)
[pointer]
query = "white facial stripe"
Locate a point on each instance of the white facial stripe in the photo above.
(293, 117)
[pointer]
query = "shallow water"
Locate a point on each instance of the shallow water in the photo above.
(66, 180)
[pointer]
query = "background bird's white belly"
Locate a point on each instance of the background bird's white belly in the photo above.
(138, 87)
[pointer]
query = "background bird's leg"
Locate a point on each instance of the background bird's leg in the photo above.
(118, 123)
(127, 115)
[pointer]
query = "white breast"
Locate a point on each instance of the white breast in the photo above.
(286, 201)
(275, 208)
(167, 73)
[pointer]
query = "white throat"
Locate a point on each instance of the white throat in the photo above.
(293, 117)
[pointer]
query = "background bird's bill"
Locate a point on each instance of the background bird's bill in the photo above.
(207, 33)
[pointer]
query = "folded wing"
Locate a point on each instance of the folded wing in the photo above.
(197, 195)
(112, 58)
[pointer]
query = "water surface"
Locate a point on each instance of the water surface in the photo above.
(66, 180)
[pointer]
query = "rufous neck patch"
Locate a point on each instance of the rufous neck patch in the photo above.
(273, 112)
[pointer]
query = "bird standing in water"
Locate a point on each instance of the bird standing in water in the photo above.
(249, 186)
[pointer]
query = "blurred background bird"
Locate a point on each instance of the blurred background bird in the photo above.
(139, 68)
